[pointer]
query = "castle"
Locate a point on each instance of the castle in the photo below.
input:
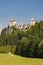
(22, 26)
(12, 22)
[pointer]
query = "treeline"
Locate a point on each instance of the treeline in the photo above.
(27, 43)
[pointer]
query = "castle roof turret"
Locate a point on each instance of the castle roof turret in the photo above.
(32, 19)
(12, 20)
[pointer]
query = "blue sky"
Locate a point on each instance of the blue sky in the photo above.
(21, 10)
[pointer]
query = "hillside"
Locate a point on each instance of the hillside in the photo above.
(28, 43)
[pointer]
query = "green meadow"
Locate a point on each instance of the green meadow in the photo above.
(6, 59)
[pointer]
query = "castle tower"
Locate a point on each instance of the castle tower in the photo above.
(32, 21)
(12, 22)
(20, 25)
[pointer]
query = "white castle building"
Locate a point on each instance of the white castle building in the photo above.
(22, 26)
(32, 21)
(12, 22)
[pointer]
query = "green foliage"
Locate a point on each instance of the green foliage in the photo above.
(21, 34)
(40, 50)
(12, 49)
(29, 44)
(5, 49)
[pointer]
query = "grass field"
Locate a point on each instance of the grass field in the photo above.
(6, 59)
